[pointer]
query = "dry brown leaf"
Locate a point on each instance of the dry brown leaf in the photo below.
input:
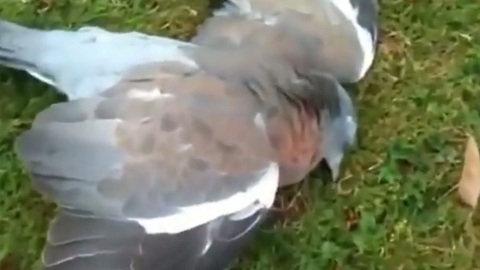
(469, 184)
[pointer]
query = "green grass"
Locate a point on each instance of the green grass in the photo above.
(422, 93)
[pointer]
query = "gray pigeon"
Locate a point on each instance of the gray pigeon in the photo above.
(101, 58)
(175, 166)
(339, 36)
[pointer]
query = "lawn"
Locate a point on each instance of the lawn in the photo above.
(396, 208)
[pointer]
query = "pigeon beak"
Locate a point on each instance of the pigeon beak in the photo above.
(334, 166)
(335, 171)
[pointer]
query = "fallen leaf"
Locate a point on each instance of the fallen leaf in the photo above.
(352, 218)
(469, 184)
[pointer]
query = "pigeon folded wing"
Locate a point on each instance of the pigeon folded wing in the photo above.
(335, 36)
(150, 174)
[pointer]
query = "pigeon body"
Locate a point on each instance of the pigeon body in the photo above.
(88, 61)
(338, 35)
(175, 166)
(84, 62)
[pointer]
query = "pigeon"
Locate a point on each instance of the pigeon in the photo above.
(84, 62)
(100, 58)
(176, 165)
(339, 36)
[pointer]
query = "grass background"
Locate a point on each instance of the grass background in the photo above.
(422, 93)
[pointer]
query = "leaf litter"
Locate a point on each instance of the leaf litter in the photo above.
(469, 186)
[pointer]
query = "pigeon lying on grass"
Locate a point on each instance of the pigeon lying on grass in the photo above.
(339, 36)
(86, 62)
(175, 166)
(168, 154)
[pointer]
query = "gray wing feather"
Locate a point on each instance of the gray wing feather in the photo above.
(69, 226)
(55, 154)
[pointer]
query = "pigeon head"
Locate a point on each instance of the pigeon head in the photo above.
(337, 118)
(340, 131)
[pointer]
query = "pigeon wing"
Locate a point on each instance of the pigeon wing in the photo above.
(338, 36)
(168, 150)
